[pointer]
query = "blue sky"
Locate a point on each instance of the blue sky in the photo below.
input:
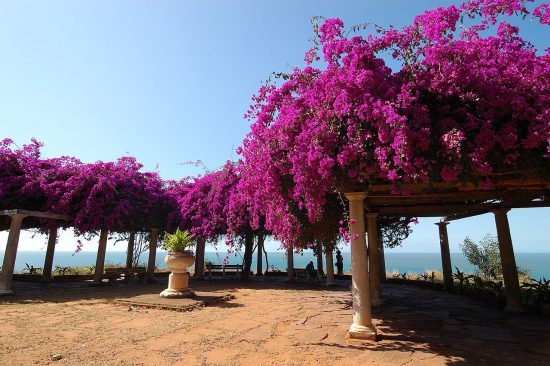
(169, 81)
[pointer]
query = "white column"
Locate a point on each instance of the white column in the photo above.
(362, 327)
(100, 261)
(9, 255)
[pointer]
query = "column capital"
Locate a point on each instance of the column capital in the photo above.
(371, 215)
(19, 217)
(442, 223)
(501, 211)
(356, 196)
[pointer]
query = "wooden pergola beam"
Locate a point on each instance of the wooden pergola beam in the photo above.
(452, 209)
(496, 185)
(377, 199)
(454, 217)
(44, 215)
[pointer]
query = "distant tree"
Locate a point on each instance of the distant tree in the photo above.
(485, 256)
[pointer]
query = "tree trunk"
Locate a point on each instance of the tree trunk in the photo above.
(247, 262)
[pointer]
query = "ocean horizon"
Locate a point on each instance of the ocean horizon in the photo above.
(536, 263)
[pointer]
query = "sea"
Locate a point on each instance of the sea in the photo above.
(538, 264)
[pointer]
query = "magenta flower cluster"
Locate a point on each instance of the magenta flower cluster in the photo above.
(471, 99)
(116, 196)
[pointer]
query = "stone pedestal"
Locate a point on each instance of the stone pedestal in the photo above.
(178, 281)
(178, 286)
(362, 327)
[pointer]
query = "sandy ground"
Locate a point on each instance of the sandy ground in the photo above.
(267, 323)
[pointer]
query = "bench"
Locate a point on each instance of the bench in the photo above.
(300, 272)
(113, 274)
(236, 268)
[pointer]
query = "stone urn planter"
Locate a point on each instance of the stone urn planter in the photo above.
(178, 281)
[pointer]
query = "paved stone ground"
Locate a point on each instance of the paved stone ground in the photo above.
(267, 323)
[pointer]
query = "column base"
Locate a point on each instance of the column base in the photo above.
(174, 294)
(6, 292)
(377, 302)
(362, 332)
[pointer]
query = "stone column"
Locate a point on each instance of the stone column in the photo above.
(508, 260)
(382, 257)
(445, 255)
(319, 255)
(259, 261)
(48, 261)
(330, 267)
(152, 256)
(290, 264)
(199, 259)
(374, 260)
(100, 261)
(10, 253)
(130, 256)
(362, 327)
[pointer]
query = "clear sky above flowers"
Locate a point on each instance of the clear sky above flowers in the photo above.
(168, 81)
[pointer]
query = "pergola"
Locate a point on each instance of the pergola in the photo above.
(450, 202)
(15, 225)
(10, 254)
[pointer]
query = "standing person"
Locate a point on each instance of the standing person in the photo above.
(339, 262)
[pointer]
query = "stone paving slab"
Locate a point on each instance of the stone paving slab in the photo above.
(154, 301)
